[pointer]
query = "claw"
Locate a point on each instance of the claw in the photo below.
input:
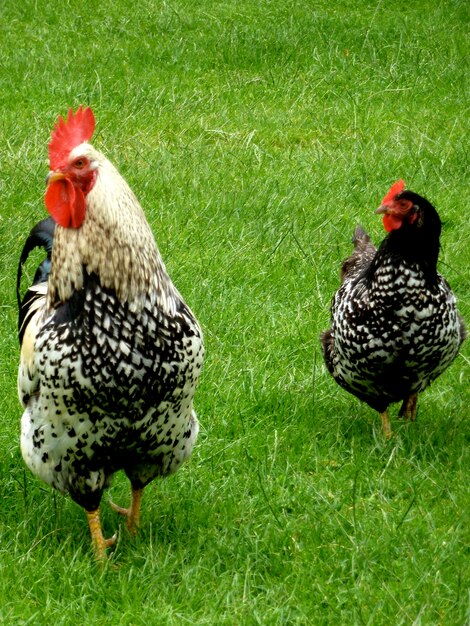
(119, 509)
(111, 541)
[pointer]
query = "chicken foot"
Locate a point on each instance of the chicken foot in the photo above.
(133, 512)
(386, 424)
(99, 542)
(408, 408)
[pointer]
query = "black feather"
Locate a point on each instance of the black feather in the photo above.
(41, 236)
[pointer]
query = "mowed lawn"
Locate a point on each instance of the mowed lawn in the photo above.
(256, 135)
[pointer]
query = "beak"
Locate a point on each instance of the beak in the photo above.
(382, 209)
(53, 176)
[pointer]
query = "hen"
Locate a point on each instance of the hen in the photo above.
(394, 322)
(110, 352)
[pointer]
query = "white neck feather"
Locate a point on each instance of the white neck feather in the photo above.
(115, 242)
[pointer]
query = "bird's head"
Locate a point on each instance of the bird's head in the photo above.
(402, 207)
(73, 167)
(397, 208)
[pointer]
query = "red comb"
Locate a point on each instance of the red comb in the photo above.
(394, 190)
(69, 133)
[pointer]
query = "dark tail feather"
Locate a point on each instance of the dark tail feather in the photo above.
(41, 236)
(361, 256)
(360, 237)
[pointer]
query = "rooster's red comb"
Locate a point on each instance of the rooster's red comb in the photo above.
(69, 133)
(394, 190)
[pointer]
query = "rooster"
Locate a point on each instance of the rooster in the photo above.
(110, 352)
(394, 322)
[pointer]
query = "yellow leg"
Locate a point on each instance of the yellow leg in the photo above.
(133, 512)
(98, 541)
(386, 424)
(410, 410)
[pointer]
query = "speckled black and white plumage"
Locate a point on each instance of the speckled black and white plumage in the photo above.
(112, 390)
(394, 322)
(111, 355)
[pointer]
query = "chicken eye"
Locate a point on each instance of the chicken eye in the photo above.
(79, 163)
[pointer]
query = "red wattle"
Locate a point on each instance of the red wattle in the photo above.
(65, 203)
(78, 208)
(391, 222)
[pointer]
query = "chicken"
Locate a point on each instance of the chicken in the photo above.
(110, 353)
(394, 322)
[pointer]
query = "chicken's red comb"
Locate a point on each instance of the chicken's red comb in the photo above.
(394, 190)
(69, 133)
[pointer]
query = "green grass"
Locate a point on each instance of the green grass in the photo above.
(256, 135)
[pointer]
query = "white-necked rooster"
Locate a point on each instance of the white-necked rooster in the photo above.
(110, 352)
(394, 322)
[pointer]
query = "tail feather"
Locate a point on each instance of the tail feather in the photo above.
(360, 237)
(361, 256)
(41, 236)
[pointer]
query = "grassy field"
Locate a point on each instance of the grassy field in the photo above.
(256, 136)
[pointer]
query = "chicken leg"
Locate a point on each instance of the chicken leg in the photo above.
(386, 424)
(99, 542)
(133, 512)
(408, 408)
